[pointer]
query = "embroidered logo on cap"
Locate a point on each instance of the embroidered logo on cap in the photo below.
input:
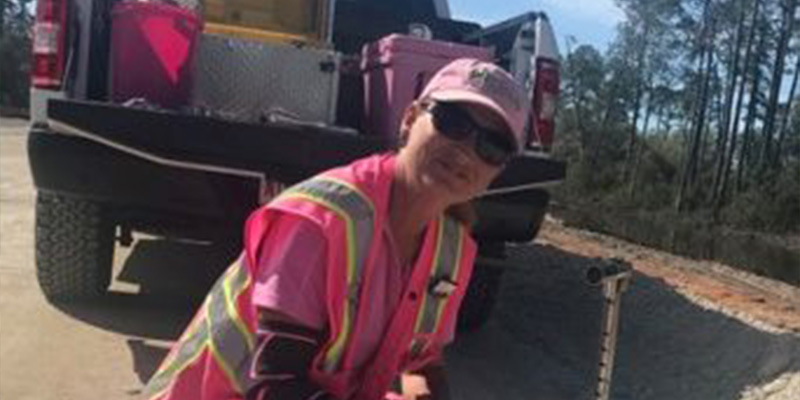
(478, 77)
(499, 89)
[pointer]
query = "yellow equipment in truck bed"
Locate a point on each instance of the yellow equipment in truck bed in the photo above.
(305, 22)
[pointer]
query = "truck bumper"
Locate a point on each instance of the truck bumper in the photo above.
(141, 194)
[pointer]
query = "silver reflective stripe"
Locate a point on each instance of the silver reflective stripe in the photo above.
(358, 214)
(231, 342)
(219, 329)
(446, 265)
(189, 350)
(359, 210)
(417, 345)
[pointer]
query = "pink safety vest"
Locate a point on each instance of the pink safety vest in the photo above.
(213, 358)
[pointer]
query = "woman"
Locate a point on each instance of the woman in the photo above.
(355, 276)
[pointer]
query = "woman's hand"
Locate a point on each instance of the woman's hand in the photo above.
(429, 383)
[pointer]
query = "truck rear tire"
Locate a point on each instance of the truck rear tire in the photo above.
(484, 286)
(74, 247)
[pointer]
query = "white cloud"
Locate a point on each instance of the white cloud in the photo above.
(601, 11)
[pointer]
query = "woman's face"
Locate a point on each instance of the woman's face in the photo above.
(449, 167)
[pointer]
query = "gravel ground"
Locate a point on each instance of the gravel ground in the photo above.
(689, 329)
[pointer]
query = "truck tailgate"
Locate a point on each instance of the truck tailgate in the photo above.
(283, 151)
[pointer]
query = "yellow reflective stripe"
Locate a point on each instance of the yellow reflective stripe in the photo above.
(350, 204)
(229, 346)
(223, 364)
(425, 299)
(176, 360)
(350, 186)
(190, 330)
(188, 352)
(446, 265)
(334, 354)
(223, 332)
(357, 211)
(221, 328)
(456, 268)
(416, 347)
(231, 296)
(350, 230)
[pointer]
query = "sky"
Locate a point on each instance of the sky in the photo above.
(589, 21)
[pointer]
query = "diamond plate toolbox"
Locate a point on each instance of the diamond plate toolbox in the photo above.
(248, 80)
(194, 5)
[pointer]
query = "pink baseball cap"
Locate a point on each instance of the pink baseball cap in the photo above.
(468, 80)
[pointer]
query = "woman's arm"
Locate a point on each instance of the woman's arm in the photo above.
(283, 356)
(289, 298)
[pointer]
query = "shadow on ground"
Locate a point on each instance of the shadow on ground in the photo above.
(173, 278)
(543, 341)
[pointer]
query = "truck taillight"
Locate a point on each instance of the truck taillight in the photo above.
(47, 67)
(545, 101)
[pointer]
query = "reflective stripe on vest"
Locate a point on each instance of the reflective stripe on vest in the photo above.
(358, 214)
(218, 328)
(446, 264)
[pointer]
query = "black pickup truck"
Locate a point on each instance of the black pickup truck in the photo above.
(104, 169)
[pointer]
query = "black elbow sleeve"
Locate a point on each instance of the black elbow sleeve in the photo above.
(284, 351)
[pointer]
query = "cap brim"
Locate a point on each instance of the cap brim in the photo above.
(467, 96)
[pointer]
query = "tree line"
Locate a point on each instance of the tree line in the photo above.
(691, 111)
(15, 44)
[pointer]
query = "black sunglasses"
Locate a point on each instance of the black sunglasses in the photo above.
(455, 123)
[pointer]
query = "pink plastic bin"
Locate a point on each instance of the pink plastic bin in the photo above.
(152, 46)
(396, 69)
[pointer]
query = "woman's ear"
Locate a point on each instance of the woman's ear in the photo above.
(409, 117)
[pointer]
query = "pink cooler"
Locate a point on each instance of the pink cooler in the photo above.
(151, 52)
(396, 69)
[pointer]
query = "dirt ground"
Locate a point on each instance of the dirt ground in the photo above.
(689, 329)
